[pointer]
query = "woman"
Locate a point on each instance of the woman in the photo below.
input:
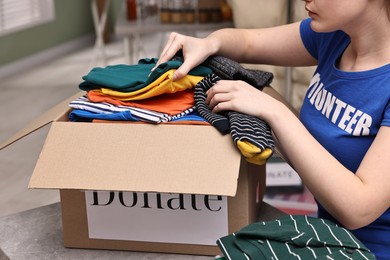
(340, 144)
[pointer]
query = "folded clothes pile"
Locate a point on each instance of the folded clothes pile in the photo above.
(135, 93)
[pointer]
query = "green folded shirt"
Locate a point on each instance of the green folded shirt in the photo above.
(129, 78)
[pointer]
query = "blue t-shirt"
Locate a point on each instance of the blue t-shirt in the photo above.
(344, 111)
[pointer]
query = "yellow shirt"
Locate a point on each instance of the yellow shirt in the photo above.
(163, 85)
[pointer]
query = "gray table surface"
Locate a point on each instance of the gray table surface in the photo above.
(37, 234)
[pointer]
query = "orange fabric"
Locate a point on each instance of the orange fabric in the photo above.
(171, 104)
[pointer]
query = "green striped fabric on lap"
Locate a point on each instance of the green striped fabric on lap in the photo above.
(293, 237)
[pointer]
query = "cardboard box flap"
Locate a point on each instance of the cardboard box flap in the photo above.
(46, 118)
(138, 157)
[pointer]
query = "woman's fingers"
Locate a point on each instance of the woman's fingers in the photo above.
(171, 48)
(236, 96)
(219, 94)
(194, 53)
(220, 102)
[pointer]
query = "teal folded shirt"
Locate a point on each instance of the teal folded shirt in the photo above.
(129, 78)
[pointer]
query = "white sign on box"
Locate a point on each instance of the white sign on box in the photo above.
(281, 174)
(157, 217)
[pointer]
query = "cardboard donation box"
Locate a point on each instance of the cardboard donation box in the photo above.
(143, 187)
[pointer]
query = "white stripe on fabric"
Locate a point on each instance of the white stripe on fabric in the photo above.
(225, 252)
(272, 250)
(315, 231)
(341, 251)
(291, 252)
(327, 248)
(341, 244)
(314, 253)
(252, 140)
(168, 118)
(361, 253)
(349, 234)
(295, 223)
(301, 234)
(200, 100)
(244, 122)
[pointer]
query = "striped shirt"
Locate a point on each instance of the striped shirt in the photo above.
(138, 114)
(220, 120)
(252, 135)
(293, 237)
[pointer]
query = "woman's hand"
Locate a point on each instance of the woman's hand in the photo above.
(239, 96)
(195, 51)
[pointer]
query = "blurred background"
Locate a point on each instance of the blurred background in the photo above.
(46, 46)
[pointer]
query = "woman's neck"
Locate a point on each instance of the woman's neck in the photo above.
(369, 47)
